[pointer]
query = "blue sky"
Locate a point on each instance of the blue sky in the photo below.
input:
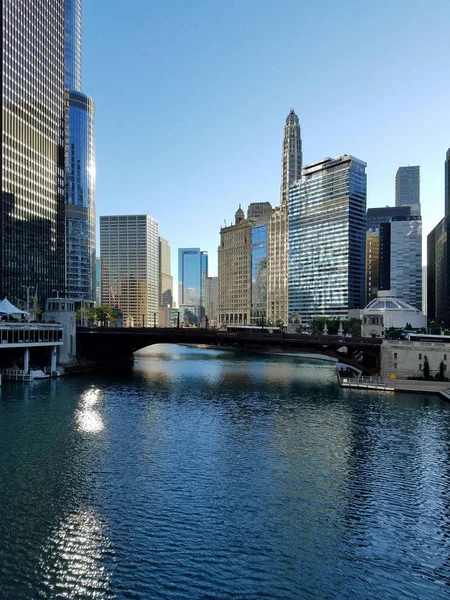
(192, 95)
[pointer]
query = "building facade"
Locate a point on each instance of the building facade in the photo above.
(165, 276)
(211, 300)
(399, 260)
(80, 168)
(447, 183)
(259, 210)
(327, 239)
(129, 252)
(405, 261)
(438, 273)
(234, 272)
(407, 188)
(192, 274)
(277, 266)
(385, 214)
(438, 270)
(372, 264)
(291, 156)
(258, 313)
(32, 220)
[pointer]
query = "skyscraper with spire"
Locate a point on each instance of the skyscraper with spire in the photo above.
(277, 251)
(80, 169)
(291, 156)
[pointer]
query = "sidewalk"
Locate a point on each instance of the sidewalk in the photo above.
(414, 385)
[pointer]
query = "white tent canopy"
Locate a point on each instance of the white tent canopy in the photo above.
(6, 308)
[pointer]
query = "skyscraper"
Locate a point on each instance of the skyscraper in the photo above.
(407, 188)
(192, 273)
(447, 183)
(80, 174)
(399, 259)
(405, 261)
(438, 270)
(235, 272)
(277, 246)
(291, 157)
(211, 297)
(165, 277)
(32, 228)
(327, 238)
(372, 264)
(129, 252)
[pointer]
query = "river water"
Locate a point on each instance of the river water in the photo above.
(209, 474)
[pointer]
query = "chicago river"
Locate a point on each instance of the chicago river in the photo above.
(213, 474)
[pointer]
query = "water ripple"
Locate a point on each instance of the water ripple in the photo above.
(224, 477)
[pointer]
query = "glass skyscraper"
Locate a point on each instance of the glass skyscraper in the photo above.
(327, 236)
(192, 274)
(80, 174)
(258, 313)
(447, 183)
(438, 271)
(407, 188)
(32, 238)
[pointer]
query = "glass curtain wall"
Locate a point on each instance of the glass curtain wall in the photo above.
(327, 233)
(32, 237)
(259, 275)
(80, 209)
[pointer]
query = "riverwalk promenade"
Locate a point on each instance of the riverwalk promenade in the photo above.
(441, 388)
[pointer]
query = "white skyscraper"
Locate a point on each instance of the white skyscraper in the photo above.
(129, 252)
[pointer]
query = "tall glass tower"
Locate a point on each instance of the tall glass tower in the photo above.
(80, 174)
(192, 274)
(327, 239)
(32, 252)
(407, 188)
(291, 156)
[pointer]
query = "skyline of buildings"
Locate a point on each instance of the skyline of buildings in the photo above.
(47, 216)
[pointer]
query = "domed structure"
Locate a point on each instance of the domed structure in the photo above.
(388, 311)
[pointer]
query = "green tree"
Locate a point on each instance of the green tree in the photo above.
(408, 327)
(104, 313)
(441, 371)
(352, 326)
(426, 369)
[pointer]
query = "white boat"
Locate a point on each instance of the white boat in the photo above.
(38, 374)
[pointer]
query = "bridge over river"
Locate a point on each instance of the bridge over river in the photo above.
(116, 345)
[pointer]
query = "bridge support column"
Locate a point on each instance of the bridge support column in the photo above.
(53, 360)
(26, 360)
